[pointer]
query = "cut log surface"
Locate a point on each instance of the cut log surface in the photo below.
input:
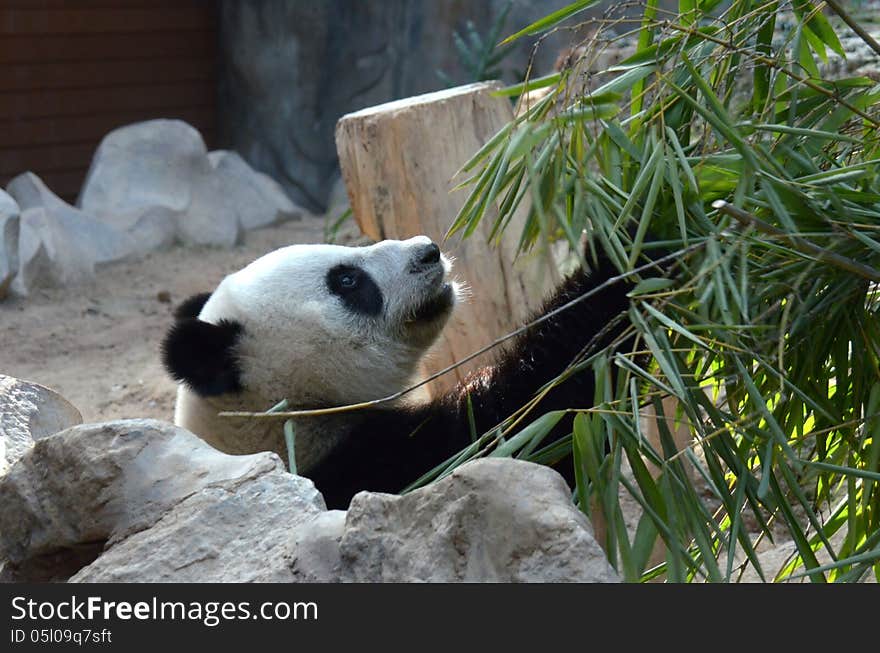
(399, 162)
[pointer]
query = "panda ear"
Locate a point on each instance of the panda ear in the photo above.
(192, 306)
(203, 356)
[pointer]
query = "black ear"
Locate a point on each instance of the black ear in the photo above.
(202, 355)
(191, 307)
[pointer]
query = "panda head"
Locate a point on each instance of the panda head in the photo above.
(318, 325)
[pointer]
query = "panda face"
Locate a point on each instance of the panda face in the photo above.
(319, 324)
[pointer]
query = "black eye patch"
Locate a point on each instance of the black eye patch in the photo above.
(356, 289)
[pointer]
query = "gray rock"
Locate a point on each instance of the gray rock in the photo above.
(313, 554)
(258, 199)
(233, 532)
(150, 227)
(149, 173)
(210, 218)
(61, 246)
(32, 193)
(58, 244)
(146, 164)
(496, 520)
(8, 206)
(9, 235)
(29, 412)
(144, 501)
(105, 483)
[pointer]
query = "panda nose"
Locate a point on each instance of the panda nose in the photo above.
(426, 256)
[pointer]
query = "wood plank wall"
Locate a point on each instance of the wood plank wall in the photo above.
(73, 70)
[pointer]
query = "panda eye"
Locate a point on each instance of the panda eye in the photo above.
(347, 280)
(344, 279)
(356, 288)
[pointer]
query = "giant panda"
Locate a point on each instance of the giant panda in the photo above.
(328, 325)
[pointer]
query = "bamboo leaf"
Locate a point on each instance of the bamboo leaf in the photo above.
(552, 20)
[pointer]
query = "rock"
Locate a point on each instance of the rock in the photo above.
(210, 218)
(496, 520)
(111, 482)
(8, 206)
(146, 164)
(258, 199)
(233, 532)
(29, 412)
(150, 227)
(145, 501)
(62, 246)
(9, 235)
(146, 175)
(58, 244)
(32, 193)
(314, 555)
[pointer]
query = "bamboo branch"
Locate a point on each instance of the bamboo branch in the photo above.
(854, 26)
(804, 246)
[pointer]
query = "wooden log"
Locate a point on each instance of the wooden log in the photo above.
(398, 161)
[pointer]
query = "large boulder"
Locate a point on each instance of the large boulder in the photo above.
(9, 235)
(497, 520)
(490, 521)
(99, 484)
(238, 531)
(210, 218)
(148, 176)
(29, 412)
(31, 192)
(59, 247)
(258, 200)
(59, 244)
(152, 163)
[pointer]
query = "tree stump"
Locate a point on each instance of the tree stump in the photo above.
(398, 161)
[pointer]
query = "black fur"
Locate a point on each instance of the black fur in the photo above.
(191, 307)
(202, 355)
(385, 450)
(356, 288)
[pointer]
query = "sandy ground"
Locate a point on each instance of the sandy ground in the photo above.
(98, 344)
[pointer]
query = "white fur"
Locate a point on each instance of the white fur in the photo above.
(301, 343)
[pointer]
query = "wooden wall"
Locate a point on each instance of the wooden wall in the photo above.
(72, 70)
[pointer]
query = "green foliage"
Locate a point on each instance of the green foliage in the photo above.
(721, 138)
(480, 55)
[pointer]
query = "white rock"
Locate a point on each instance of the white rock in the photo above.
(110, 482)
(8, 206)
(496, 520)
(210, 219)
(152, 163)
(9, 235)
(258, 199)
(313, 555)
(145, 501)
(233, 532)
(29, 412)
(61, 246)
(147, 172)
(31, 192)
(58, 244)
(151, 227)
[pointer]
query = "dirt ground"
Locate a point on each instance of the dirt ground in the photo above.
(98, 344)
